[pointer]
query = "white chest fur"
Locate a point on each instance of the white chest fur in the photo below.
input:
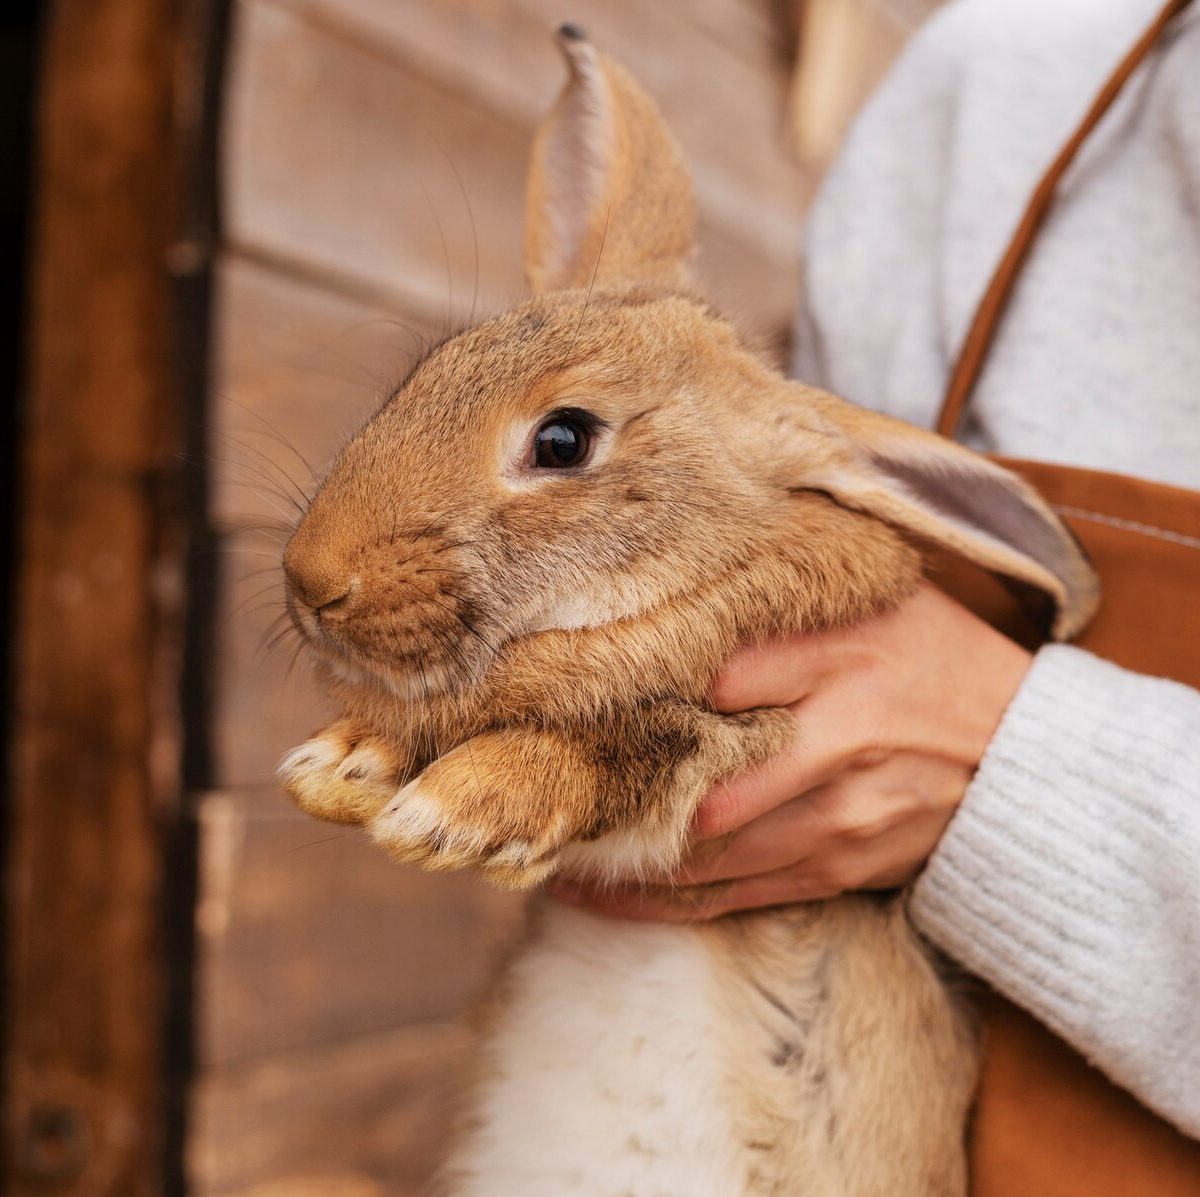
(602, 1075)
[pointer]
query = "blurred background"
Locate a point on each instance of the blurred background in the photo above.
(231, 226)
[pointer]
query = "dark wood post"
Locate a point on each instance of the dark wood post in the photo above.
(97, 786)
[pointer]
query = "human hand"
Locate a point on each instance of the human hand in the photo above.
(892, 717)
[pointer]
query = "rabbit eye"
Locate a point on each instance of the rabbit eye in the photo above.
(564, 440)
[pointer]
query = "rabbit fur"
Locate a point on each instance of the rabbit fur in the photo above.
(521, 655)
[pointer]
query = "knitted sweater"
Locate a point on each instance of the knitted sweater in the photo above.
(1070, 876)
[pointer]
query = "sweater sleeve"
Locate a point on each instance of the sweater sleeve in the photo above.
(1070, 876)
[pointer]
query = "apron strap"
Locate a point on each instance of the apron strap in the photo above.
(978, 341)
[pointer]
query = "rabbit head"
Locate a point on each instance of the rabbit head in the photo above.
(612, 442)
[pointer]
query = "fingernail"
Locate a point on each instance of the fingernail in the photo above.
(705, 821)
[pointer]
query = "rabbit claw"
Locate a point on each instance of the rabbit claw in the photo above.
(340, 775)
(470, 810)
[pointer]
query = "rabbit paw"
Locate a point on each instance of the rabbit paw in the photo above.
(341, 775)
(490, 804)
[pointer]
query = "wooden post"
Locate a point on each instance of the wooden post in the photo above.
(845, 48)
(97, 742)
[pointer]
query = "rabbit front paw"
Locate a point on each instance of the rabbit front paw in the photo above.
(503, 803)
(342, 774)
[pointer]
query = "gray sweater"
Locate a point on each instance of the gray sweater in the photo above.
(1070, 877)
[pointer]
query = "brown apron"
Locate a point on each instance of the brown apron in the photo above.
(1047, 1124)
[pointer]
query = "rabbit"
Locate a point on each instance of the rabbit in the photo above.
(520, 578)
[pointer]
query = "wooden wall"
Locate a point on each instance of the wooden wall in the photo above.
(374, 155)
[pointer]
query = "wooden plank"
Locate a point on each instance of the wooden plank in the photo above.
(845, 49)
(759, 30)
(95, 745)
(375, 1110)
(313, 1186)
(385, 183)
(336, 157)
(308, 933)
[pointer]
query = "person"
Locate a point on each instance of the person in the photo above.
(1046, 807)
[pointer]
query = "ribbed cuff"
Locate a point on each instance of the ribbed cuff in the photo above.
(1061, 879)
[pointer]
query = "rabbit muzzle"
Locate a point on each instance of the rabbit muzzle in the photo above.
(398, 614)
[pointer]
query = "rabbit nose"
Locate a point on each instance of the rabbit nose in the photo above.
(316, 583)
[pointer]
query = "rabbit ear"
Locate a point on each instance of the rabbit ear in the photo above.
(960, 501)
(609, 196)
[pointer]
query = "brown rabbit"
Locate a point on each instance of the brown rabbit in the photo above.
(522, 576)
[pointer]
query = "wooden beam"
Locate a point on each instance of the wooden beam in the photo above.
(97, 743)
(845, 49)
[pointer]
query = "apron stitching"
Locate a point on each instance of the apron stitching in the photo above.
(1191, 542)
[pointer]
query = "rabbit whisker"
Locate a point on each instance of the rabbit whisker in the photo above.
(328, 839)
(278, 467)
(587, 298)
